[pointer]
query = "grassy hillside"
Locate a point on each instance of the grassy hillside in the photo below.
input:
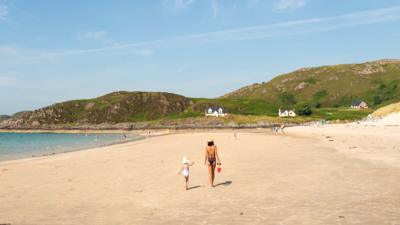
(384, 111)
(327, 90)
(377, 83)
(237, 106)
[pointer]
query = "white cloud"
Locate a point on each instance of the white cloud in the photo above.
(91, 35)
(178, 4)
(3, 12)
(289, 4)
(183, 3)
(252, 3)
(290, 28)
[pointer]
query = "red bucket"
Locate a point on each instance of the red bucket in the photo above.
(219, 169)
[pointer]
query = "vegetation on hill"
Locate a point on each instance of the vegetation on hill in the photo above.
(377, 83)
(315, 93)
(19, 114)
(116, 107)
(236, 106)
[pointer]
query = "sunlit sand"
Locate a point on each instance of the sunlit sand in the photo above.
(294, 178)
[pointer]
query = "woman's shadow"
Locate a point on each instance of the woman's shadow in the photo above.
(226, 183)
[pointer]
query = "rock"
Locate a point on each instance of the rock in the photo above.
(89, 105)
(300, 86)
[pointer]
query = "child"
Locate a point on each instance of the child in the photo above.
(185, 171)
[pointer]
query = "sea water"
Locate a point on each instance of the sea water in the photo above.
(23, 145)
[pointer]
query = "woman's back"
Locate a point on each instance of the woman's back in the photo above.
(211, 151)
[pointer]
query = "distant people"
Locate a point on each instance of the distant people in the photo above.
(283, 128)
(234, 135)
(185, 171)
(210, 159)
(275, 129)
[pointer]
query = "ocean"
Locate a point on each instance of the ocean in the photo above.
(24, 145)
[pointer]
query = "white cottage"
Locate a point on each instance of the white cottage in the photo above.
(215, 111)
(287, 113)
(357, 104)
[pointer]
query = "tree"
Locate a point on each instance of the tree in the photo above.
(377, 100)
(303, 110)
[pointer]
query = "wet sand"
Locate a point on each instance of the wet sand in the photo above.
(296, 178)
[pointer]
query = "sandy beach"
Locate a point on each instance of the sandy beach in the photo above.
(309, 175)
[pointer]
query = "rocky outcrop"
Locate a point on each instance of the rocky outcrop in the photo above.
(114, 108)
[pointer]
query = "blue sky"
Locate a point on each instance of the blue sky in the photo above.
(52, 51)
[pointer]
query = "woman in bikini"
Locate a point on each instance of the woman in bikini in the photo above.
(211, 158)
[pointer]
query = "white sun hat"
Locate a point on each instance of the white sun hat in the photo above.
(185, 160)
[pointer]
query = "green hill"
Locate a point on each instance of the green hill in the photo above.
(116, 107)
(377, 83)
(327, 90)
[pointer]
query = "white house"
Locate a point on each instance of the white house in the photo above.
(287, 113)
(357, 104)
(215, 111)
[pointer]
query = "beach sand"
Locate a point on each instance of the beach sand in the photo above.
(295, 178)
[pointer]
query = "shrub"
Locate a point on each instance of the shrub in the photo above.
(303, 110)
(287, 98)
(377, 100)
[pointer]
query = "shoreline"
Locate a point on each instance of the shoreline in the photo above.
(116, 143)
(43, 156)
(157, 131)
(143, 134)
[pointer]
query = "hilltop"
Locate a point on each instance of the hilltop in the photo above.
(116, 107)
(376, 82)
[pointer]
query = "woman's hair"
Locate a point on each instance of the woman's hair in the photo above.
(210, 143)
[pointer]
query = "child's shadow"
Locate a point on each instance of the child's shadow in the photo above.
(226, 183)
(194, 187)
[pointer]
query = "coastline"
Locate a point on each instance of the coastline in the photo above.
(48, 155)
(144, 134)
